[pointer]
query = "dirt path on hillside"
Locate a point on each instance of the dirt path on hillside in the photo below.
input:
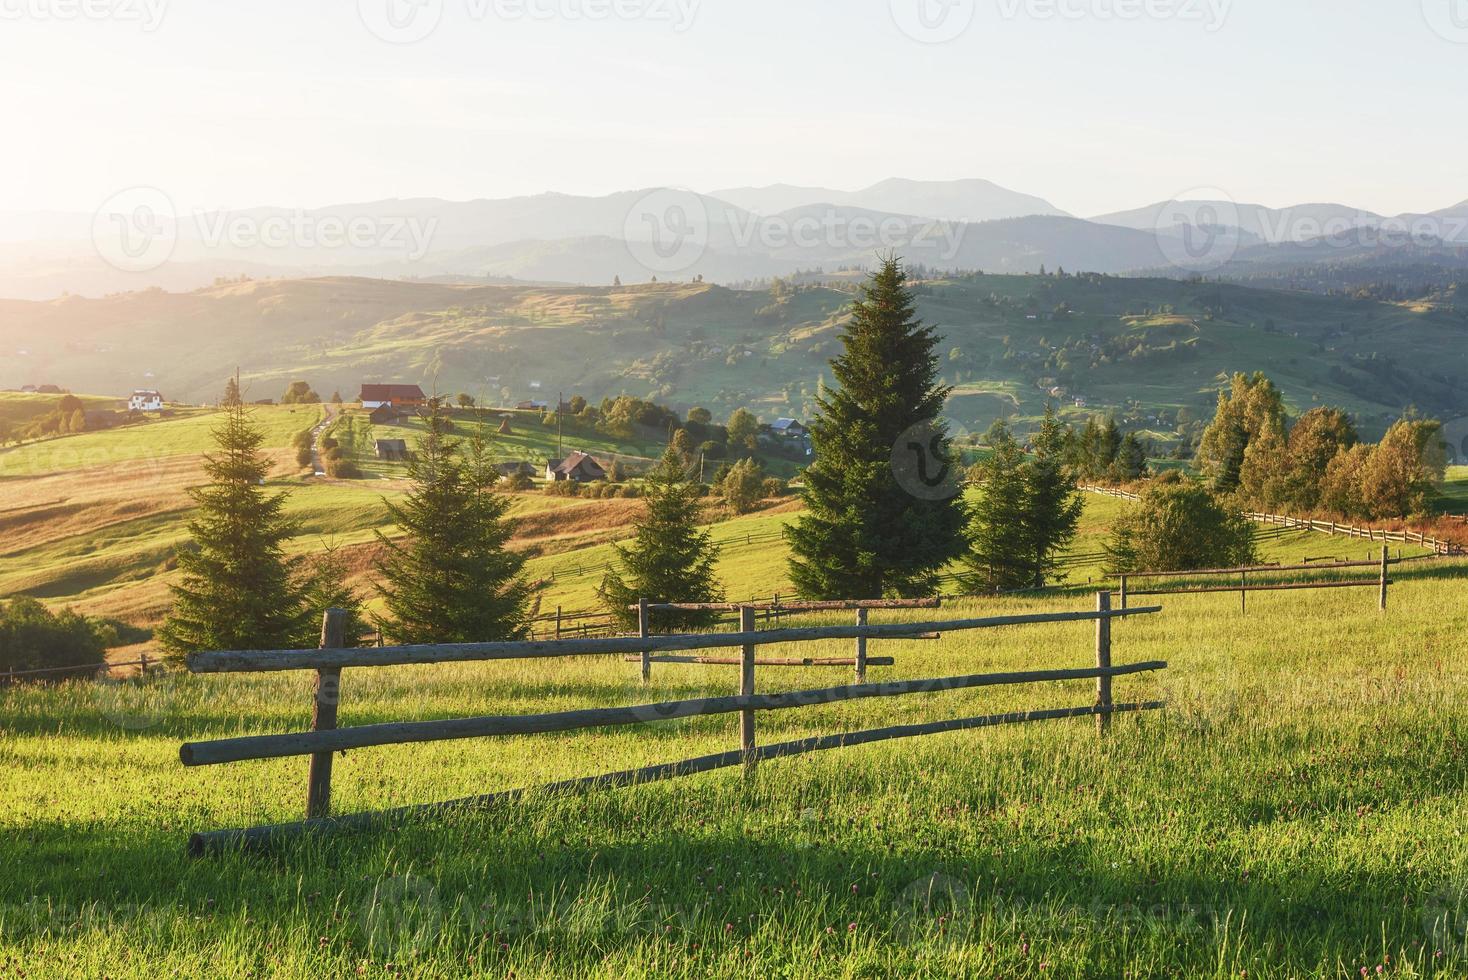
(317, 434)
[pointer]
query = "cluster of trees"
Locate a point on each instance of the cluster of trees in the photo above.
(1318, 463)
(452, 579)
(34, 638)
(68, 417)
(1101, 452)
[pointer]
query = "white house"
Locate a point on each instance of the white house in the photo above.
(145, 401)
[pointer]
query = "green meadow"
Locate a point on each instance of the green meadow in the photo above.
(1296, 811)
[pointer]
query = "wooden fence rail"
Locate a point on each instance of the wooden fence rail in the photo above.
(325, 738)
(12, 675)
(1382, 582)
(1437, 545)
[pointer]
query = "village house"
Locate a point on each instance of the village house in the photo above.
(145, 400)
(395, 395)
(578, 467)
(789, 428)
(384, 415)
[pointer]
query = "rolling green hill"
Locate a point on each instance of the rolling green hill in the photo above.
(1146, 349)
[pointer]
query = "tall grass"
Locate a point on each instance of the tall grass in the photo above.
(1298, 810)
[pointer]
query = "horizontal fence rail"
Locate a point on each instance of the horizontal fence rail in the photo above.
(1438, 546)
(325, 738)
(249, 661)
(1244, 586)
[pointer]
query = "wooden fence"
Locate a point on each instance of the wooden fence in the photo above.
(328, 661)
(1380, 582)
(773, 611)
(11, 676)
(1437, 545)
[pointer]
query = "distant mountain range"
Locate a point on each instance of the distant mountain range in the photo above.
(735, 235)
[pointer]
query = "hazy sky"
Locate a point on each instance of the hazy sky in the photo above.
(1095, 104)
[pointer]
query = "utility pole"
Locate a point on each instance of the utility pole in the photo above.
(560, 401)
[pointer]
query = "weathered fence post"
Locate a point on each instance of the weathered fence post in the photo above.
(1244, 592)
(1386, 555)
(746, 689)
(642, 631)
(1103, 662)
(143, 664)
(1123, 592)
(861, 649)
(323, 714)
(558, 622)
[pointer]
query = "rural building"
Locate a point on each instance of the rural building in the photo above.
(392, 449)
(398, 396)
(533, 406)
(578, 467)
(48, 389)
(789, 428)
(384, 415)
(27, 389)
(145, 400)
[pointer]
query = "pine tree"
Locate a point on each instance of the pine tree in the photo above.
(238, 590)
(997, 559)
(864, 536)
(669, 559)
(1053, 504)
(454, 579)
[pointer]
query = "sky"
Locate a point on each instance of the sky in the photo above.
(1095, 105)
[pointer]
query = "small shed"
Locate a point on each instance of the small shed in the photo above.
(517, 467)
(384, 415)
(392, 449)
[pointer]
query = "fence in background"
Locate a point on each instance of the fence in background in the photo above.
(325, 738)
(11, 676)
(1435, 544)
(1381, 582)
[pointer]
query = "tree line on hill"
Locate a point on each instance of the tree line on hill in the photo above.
(1318, 464)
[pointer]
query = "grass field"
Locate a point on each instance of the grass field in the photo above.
(1297, 811)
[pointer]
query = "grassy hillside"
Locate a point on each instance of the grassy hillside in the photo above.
(1296, 811)
(1144, 348)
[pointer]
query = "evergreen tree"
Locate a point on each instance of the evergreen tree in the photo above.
(232, 397)
(454, 580)
(238, 590)
(863, 535)
(669, 559)
(327, 588)
(996, 560)
(1053, 504)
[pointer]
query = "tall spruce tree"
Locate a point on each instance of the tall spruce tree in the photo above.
(669, 559)
(997, 560)
(1053, 503)
(454, 579)
(238, 590)
(864, 536)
